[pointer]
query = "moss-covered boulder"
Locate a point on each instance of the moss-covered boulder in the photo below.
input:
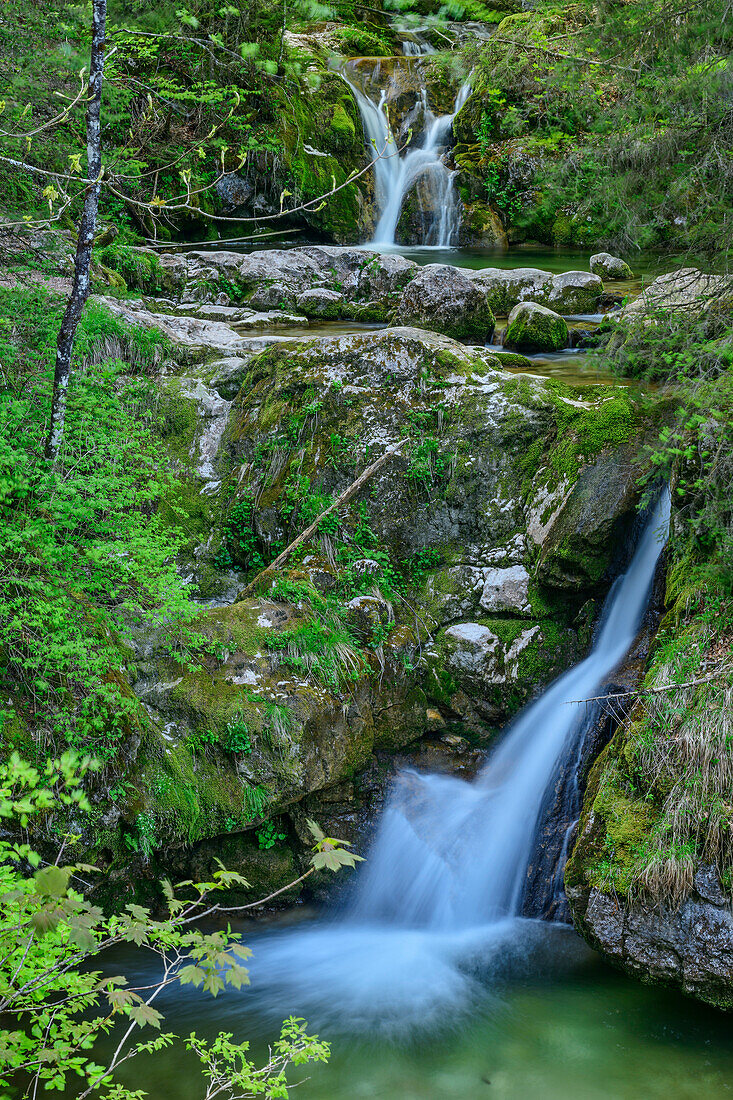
(443, 299)
(610, 267)
(532, 327)
(481, 227)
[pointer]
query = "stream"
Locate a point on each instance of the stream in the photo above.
(425, 977)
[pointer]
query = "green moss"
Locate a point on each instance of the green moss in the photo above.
(536, 330)
(584, 433)
(343, 124)
(440, 685)
(138, 268)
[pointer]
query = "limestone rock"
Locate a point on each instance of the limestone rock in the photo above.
(607, 266)
(533, 327)
(506, 590)
(442, 299)
(504, 288)
(687, 291)
(197, 340)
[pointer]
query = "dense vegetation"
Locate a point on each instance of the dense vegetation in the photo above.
(607, 124)
(589, 125)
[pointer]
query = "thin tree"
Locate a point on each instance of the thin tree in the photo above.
(85, 239)
(98, 177)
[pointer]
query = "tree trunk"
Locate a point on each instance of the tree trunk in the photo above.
(85, 238)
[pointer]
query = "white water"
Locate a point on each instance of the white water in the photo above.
(397, 174)
(434, 919)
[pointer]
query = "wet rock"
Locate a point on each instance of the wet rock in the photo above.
(690, 947)
(533, 327)
(443, 299)
(481, 227)
(233, 192)
(607, 267)
(589, 529)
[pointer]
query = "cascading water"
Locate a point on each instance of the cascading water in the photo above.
(423, 164)
(437, 903)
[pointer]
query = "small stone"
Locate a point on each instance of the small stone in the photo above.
(610, 267)
(320, 302)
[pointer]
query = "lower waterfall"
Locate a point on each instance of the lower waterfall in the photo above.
(436, 905)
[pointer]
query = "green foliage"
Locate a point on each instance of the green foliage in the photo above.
(85, 557)
(254, 802)
(269, 835)
(325, 647)
(630, 148)
(330, 853)
(60, 1012)
(236, 739)
(240, 543)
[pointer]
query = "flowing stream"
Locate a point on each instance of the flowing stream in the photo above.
(420, 167)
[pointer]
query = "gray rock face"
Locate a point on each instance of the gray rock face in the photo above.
(504, 288)
(532, 327)
(233, 191)
(688, 291)
(443, 299)
(276, 276)
(195, 339)
(571, 292)
(607, 266)
(691, 947)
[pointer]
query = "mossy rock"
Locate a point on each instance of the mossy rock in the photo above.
(532, 327)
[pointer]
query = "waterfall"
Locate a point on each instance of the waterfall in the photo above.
(435, 913)
(451, 854)
(421, 166)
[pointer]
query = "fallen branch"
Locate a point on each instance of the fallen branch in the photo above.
(639, 692)
(177, 246)
(305, 535)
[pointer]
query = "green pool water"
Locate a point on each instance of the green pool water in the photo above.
(554, 1023)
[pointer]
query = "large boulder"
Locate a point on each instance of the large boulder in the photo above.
(442, 299)
(571, 292)
(688, 291)
(533, 327)
(504, 288)
(574, 292)
(320, 302)
(608, 267)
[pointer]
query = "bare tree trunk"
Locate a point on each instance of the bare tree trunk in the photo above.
(85, 238)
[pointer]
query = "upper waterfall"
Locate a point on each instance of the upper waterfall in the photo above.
(419, 167)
